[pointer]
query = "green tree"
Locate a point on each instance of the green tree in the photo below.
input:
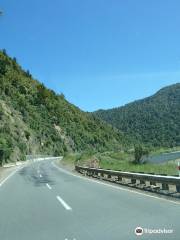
(139, 153)
(4, 52)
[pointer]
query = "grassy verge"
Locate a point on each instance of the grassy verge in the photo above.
(77, 158)
(124, 162)
(121, 161)
(166, 168)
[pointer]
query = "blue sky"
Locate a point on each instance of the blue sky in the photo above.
(99, 53)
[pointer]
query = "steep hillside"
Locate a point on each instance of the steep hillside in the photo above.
(154, 120)
(34, 119)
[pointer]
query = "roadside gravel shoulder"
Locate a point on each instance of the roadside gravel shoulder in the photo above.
(4, 172)
(66, 166)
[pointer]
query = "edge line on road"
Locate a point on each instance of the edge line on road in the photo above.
(112, 186)
(9, 176)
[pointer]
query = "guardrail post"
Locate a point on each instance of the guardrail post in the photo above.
(147, 183)
(138, 182)
(159, 185)
(126, 180)
(99, 175)
(178, 188)
(102, 175)
(172, 188)
(106, 176)
(115, 178)
(94, 174)
(119, 179)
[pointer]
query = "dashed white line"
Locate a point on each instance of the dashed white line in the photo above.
(48, 186)
(65, 205)
(40, 175)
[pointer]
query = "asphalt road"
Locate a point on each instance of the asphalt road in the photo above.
(43, 202)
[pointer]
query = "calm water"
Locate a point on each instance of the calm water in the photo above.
(163, 157)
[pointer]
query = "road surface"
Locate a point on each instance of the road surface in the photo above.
(43, 202)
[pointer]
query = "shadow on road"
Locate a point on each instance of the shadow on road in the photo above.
(31, 175)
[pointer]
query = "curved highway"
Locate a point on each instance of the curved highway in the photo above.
(43, 202)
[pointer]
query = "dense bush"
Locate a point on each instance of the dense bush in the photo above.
(39, 120)
(152, 121)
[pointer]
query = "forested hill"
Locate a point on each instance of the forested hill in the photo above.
(154, 120)
(34, 119)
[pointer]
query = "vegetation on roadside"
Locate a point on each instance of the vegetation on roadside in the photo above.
(35, 120)
(169, 168)
(123, 161)
(78, 158)
(139, 153)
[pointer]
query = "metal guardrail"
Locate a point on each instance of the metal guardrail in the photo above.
(159, 183)
(35, 156)
(13, 164)
(45, 158)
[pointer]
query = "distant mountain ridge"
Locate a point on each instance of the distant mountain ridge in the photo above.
(34, 119)
(154, 120)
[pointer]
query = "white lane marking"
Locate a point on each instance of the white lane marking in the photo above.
(10, 175)
(65, 205)
(112, 186)
(40, 176)
(48, 186)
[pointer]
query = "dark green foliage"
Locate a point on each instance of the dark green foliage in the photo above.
(152, 121)
(139, 153)
(5, 149)
(28, 74)
(4, 52)
(37, 120)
